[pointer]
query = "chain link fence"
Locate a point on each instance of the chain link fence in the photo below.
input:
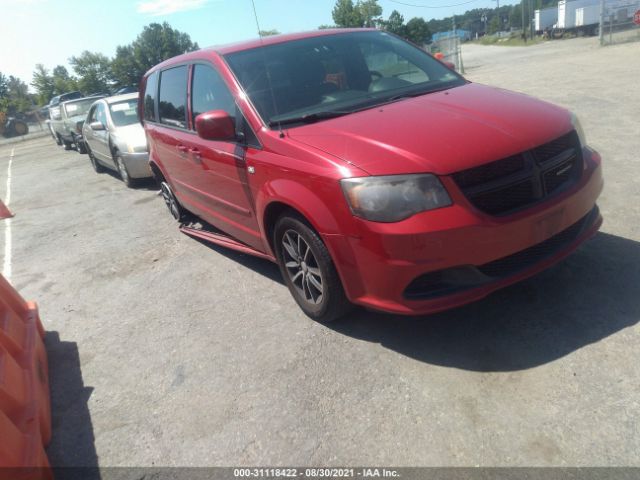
(450, 47)
(617, 21)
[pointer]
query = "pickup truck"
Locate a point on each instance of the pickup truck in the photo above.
(67, 120)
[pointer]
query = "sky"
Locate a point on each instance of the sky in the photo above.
(51, 31)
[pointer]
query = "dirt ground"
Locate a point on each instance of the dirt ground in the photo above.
(166, 351)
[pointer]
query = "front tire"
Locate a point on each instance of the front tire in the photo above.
(67, 145)
(308, 270)
(124, 173)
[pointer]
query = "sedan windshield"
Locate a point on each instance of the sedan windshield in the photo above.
(124, 113)
(322, 77)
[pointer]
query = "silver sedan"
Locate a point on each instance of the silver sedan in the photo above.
(115, 139)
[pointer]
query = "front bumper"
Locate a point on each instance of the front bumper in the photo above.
(137, 164)
(469, 254)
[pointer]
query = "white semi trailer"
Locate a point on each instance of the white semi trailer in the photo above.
(585, 21)
(586, 16)
(545, 18)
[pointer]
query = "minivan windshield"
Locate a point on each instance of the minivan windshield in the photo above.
(315, 78)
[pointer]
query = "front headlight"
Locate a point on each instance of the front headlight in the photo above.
(136, 148)
(578, 128)
(393, 198)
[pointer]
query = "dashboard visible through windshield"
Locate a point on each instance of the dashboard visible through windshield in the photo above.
(322, 77)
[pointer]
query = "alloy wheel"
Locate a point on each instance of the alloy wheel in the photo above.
(302, 267)
(170, 200)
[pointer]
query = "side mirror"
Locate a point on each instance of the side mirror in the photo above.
(216, 125)
(96, 126)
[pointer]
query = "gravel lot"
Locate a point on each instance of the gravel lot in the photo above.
(166, 351)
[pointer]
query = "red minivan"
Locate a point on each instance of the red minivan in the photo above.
(369, 171)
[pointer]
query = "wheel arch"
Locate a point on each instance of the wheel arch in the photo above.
(281, 195)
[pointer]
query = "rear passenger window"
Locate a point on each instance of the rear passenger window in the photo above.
(209, 92)
(150, 93)
(173, 97)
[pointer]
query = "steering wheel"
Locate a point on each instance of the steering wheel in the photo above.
(375, 73)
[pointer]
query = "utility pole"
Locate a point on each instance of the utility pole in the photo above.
(529, 20)
(524, 30)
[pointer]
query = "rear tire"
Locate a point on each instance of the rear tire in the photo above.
(20, 128)
(81, 147)
(97, 167)
(58, 139)
(170, 200)
(308, 270)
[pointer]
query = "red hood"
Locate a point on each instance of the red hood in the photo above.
(440, 133)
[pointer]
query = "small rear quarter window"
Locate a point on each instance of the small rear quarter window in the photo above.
(150, 93)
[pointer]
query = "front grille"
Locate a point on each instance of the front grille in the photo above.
(519, 181)
(465, 277)
(523, 259)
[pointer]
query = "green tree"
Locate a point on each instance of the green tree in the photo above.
(14, 95)
(268, 33)
(62, 81)
(42, 82)
(345, 15)
(395, 24)
(494, 25)
(418, 31)
(4, 86)
(156, 43)
(93, 70)
(369, 12)
(124, 68)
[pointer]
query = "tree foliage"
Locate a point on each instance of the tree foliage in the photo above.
(94, 72)
(49, 85)
(268, 33)
(364, 13)
(14, 95)
(394, 24)
(417, 31)
(345, 14)
(156, 43)
(369, 12)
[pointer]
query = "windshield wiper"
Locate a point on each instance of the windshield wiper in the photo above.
(418, 93)
(308, 118)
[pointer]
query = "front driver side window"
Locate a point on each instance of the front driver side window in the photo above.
(100, 114)
(92, 114)
(209, 92)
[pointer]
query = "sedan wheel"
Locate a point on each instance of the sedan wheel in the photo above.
(124, 174)
(94, 162)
